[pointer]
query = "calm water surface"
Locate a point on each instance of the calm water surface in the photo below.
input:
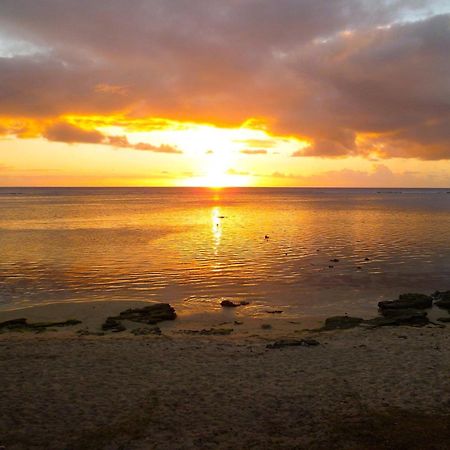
(194, 247)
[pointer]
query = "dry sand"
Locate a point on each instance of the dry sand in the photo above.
(384, 388)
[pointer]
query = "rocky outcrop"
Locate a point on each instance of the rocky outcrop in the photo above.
(150, 315)
(23, 325)
(293, 343)
(341, 322)
(408, 301)
(113, 325)
(399, 317)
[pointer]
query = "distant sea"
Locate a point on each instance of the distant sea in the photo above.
(193, 247)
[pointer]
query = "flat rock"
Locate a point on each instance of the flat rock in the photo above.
(23, 324)
(408, 301)
(405, 317)
(293, 343)
(150, 315)
(113, 325)
(341, 322)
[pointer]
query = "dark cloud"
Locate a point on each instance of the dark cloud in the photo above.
(70, 134)
(322, 70)
(65, 132)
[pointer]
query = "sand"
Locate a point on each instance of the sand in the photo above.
(361, 388)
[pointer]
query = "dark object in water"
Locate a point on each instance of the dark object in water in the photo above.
(266, 236)
(266, 326)
(408, 301)
(366, 259)
(230, 304)
(334, 260)
(150, 315)
(275, 311)
(293, 343)
(330, 267)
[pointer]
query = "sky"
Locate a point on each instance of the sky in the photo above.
(225, 93)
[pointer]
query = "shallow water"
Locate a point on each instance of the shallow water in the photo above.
(193, 247)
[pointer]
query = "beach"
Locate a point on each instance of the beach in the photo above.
(359, 388)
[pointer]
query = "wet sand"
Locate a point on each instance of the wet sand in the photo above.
(362, 388)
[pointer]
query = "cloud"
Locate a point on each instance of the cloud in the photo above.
(65, 132)
(352, 77)
(122, 142)
(254, 152)
(70, 134)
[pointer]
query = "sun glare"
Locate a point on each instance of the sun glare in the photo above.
(207, 155)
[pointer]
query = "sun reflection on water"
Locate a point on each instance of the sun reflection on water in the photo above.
(216, 219)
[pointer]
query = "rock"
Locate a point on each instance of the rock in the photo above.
(113, 325)
(442, 299)
(14, 323)
(341, 323)
(408, 301)
(22, 324)
(236, 322)
(209, 332)
(275, 311)
(146, 331)
(266, 326)
(444, 319)
(150, 315)
(405, 317)
(67, 323)
(230, 304)
(293, 343)
(334, 260)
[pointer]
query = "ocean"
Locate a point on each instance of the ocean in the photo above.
(308, 252)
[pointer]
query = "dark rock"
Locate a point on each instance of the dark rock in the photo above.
(408, 301)
(266, 326)
(66, 323)
(334, 260)
(275, 311)
(341, 322)
(150, 315)
(14, 323)
(405, 317)
(113, 325)
(442, 299)
(22, 324)
(230, 304)
(293, 343)
(209, 332)
(330, 267)
(236, 322)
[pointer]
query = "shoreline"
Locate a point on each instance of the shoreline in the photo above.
(360, 388)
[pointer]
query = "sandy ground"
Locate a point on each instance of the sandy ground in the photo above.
(384, 388)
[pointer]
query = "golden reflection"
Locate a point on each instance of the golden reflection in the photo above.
(216, 219)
